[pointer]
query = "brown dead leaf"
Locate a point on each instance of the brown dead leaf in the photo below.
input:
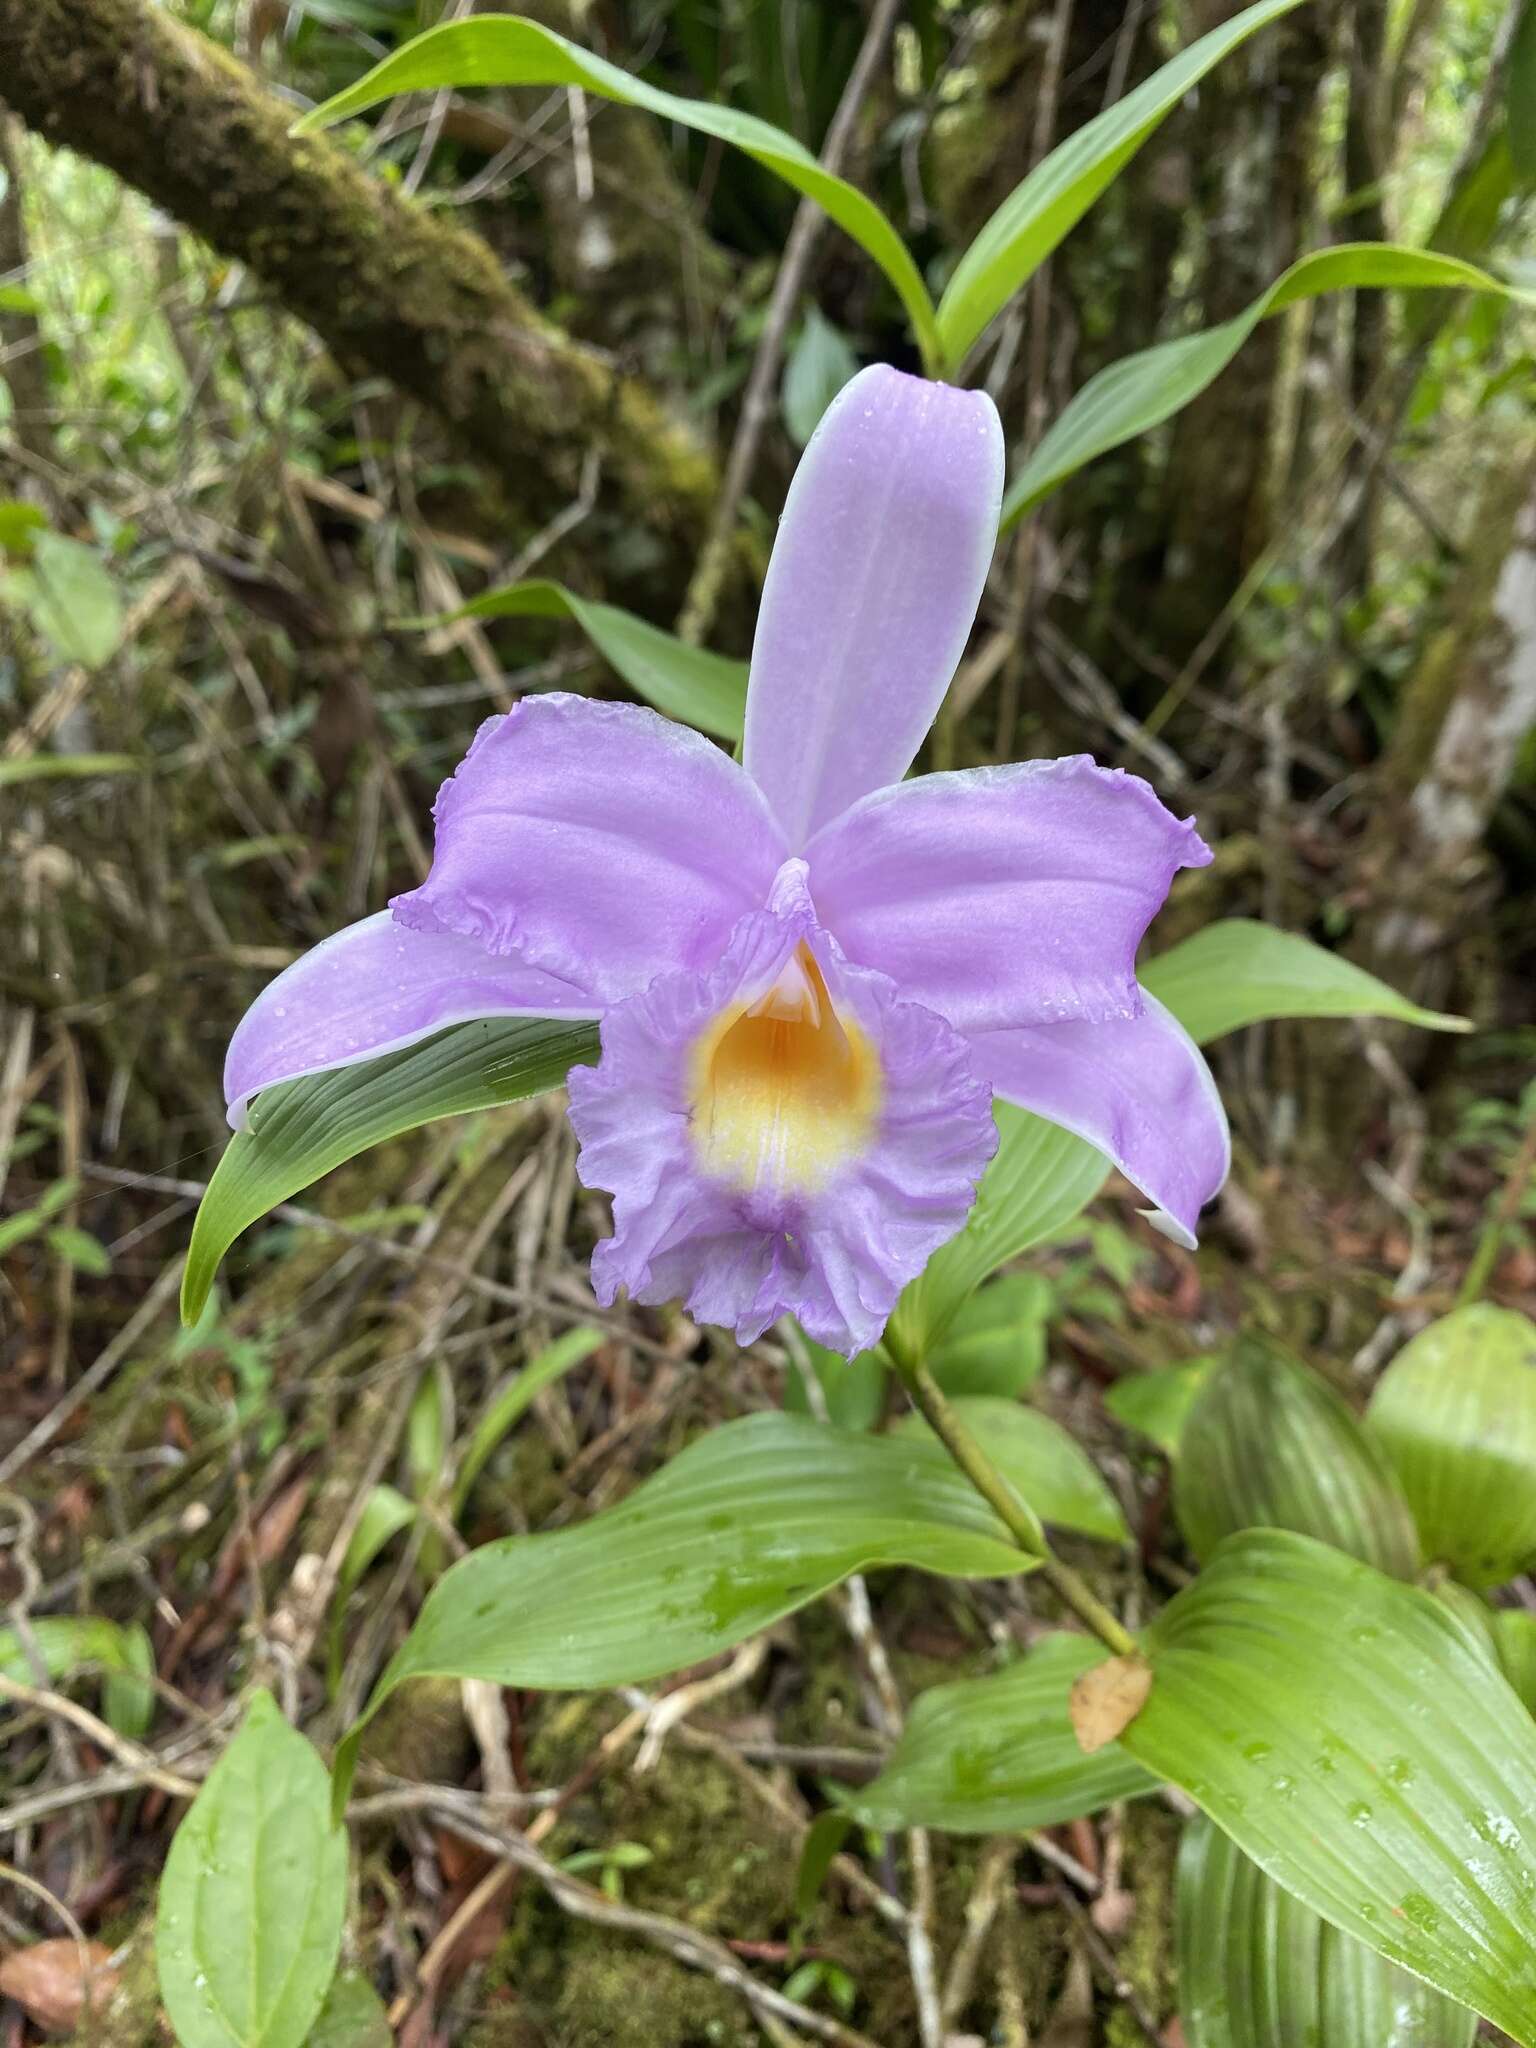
(1106, 1700)
(49, 1980)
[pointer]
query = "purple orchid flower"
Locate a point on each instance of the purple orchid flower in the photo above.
(812, 977)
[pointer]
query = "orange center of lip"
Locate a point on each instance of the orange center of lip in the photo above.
(783, 1091)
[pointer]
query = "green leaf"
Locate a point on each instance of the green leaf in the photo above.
(20, 524)
(352, 2016)
(819, 365)
(71, 767)
(997, 1754)
(1050, 1470)
(1349, 1734)
(385, 1513)
(302, 1129)
(1141, 391)
(511, 1399)
(687, 683)
(254, 1895)
(72, 599)
(1050, 202)
(854, 1389)
(1041, 1178)
(79, 1249)
(1268, 1445)
(1455, 1412)
(749, 1523)
(503, 49)
(1157, 1404)
(1514, 1639)
(996, 1342)
(68, 1642)
(1239, 972)
(1258, 1969)
(1520, 97)
(823, 1838)
(27, 1223)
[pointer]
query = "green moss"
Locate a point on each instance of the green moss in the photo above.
(1146, 1955)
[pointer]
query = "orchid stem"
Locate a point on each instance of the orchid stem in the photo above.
(931, 1402)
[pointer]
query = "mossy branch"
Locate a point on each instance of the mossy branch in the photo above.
(392, 290)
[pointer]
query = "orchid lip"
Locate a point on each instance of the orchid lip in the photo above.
(783, 1090)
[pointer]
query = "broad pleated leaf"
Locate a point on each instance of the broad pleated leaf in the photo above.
(1238, 972)
(254, 1895)
(1054, 1475)
(1157, 1404)
(997, 1341)
(1268, 1444)
(1353, 1738)
(503, 49)
(1061, 188)
(687, 683)
(302, 1129)
(1514, 1640)
(1456, 1414)
(749, 1523)
(1258, 1969)
(995, 1754)
(1141, 391)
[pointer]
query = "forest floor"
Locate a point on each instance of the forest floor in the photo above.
(204, 1485)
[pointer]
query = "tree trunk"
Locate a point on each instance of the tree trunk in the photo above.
(1367, 155)
(1256, 135)
(21, 342)
(1465, 712)
(392, 290)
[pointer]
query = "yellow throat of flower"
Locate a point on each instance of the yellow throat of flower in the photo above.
(783, 1091)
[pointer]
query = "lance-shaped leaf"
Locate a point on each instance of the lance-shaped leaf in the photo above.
(1353, 1738)
(1141, 391)
(302, 1129)
(1040, 1178)
(254, 1895)
(504, 49)
(749, 1523)
(1268, 1445)
(1061, 188)
(1258, 1969)
(995, 1754)
(1238, 972)
(1054, 1475)
(1456, 1413)
(687, 683)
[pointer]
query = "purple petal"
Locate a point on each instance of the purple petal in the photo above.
(598, 841)
(1137, 1088)
(374, 988)
(833, 1244)
(881, 555)
(1004, 896)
